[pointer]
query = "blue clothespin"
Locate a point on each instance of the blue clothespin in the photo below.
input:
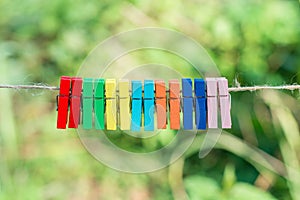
(200, 94)
(136, 105)
(187, 94)
(149, 105)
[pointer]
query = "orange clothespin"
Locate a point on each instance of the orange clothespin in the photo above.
(161, 104)
(174, 103)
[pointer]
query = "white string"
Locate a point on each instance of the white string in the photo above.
(29, 87)
(231, 89)
(254, 88)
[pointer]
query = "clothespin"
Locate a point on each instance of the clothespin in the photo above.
(187, 94)
(111, 104)
(63, 102)
(87, 103)
(200, 96)
(136, 107)
(212, 102)
(149, 105)
(124, 105)
(224, 100)
(99, 103)
(174, 104)
(75, 103)
(161, 104)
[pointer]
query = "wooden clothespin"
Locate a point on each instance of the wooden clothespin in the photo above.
(200, 100)
(212, 102)
(111, 104)
(63, 102)
(149, 105)
(75, 102)
(99, 85)
(124, 105)
(224, 100)
(161, 104)
(87, 103)
(187, 95)
(136, 105)
(174, 103)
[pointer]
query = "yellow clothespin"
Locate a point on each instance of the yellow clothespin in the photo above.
(111, 105)
(124, 105)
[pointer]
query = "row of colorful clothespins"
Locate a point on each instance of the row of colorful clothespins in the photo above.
(106, 104)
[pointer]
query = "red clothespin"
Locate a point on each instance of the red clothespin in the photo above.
(75, 102)
(212, 102)
(63, 102)
(224, 99)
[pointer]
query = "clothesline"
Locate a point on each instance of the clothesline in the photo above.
(231, 89)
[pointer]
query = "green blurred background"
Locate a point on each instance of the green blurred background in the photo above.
(253, 43)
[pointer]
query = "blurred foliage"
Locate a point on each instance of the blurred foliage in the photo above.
(252, 42)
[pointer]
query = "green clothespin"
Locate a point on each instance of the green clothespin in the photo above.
(87, 112)
(99, 104)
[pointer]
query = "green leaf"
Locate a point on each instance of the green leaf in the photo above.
(229, 177)
(244, 191)
(203, 188)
